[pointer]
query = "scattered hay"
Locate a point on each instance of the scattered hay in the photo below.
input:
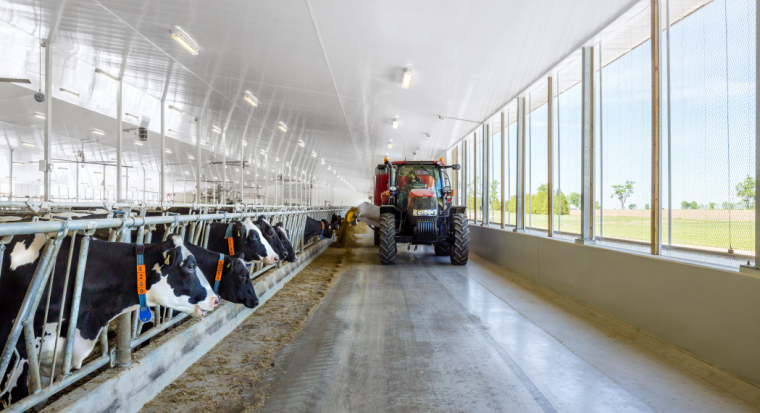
(346, 234)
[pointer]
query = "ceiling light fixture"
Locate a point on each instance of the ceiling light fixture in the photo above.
(172, 131)
(185, 40)
(323, 161)
(245, 143)
(29, 144)
(98, 173)
(39, 115)
(395, 122)
(204, 143)
(263, 152)
(13, 80)
(98, 132)
(63, 168)
(138, 143)
(390, 144)
(106, 76)
(282, 126)
(301, 143)
(129, 115)
(187, 173)
(407, 81)
(18, 163)
(68, 92)
(175, 110)
(313, 154)
(190, 157)
(248, 96)
(216, 129)
(168, 151)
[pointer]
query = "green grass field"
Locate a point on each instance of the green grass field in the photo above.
(692, 232)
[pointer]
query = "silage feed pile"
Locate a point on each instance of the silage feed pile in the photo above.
(346, 235)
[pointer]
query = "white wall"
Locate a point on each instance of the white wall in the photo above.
(711, 313)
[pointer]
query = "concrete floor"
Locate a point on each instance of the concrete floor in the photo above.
(424, 335)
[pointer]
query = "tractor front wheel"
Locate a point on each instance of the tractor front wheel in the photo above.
(387, 239)
(460, 249)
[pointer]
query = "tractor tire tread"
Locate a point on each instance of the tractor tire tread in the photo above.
(387, 239)
(460, 248)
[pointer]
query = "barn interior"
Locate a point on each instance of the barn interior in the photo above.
(603, 154)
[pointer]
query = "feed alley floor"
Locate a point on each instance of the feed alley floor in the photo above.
(424, 335)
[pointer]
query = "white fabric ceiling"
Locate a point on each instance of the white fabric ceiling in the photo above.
(330, 69)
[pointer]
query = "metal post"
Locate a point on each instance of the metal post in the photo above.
(266, 179)
(520, 190)
(475, 176)
(486, 172)
(162, 170)
(670, 186)
(124, 340)
(464, 172)
(752, 268)
(601, 144)
(529, 155)
(550, 184)
(10, 180)
(587, 147)
(48, 117)
(242, 168)
(656, 211)
(119, 143)
(223, 192)
(509, 172)
(501, 176)
(559, 157)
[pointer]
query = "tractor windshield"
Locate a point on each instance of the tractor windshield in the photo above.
(418, 177)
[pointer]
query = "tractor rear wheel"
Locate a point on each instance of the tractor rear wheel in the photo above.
(460, 249)
(377, 236)
(387, 239)
(442, 249)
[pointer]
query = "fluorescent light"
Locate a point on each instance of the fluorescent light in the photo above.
(172, 131)
(237, 170)
(145, 164)
(98, 132)
(407, 77)
(187, 173)
(63, 168)
(190, 157)
(185, 40)
(106, 76)
(390, 144)
(301, 143)
(216, 129)
(323, 161)
(168, 150)
(313, 154)
(283, 127)
(248, 96)
(395, 122)
(98, 173)
(328, 167)
(7, 177)
(276, 159)
(175, 110)
(13, 80)
(204, 143)
(129, 115)
(263, 152)
(39, 115)
(30, 144)
(245, 143)
(147, 179)
(18, 163)
(247, 172)
(138, 143)
(70, 93)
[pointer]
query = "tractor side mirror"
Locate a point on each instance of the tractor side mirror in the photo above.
(447, 190)
(456, 167)
(393, 190)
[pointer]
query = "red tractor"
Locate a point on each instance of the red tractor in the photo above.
(415, 207)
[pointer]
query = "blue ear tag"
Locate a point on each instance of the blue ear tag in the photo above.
(144, 314)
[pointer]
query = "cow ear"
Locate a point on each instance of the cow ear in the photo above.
(173, 257)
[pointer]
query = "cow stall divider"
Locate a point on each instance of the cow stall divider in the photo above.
(194, 227)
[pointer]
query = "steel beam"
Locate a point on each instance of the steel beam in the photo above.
(48, 144)
(119, 143)
(587, 146)
(656, 211)
(475, 176)
(501, 177)
(199, 137)
(550, 152)
(486, 172)
(520, 190)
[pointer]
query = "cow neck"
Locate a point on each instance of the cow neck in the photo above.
(230, 239)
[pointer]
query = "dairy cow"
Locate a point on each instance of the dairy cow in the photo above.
(172, 279)
(314, 228)
(271, 236)
(235, 284)
(284, 235)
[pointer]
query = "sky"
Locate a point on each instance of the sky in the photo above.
(712, 122)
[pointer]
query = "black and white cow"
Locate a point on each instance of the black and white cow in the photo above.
(336, 221)
(269, 235)
(172, 277)
(235, 285)
(284, 235)
(314, 228)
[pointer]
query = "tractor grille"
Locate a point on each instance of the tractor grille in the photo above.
(426, 230)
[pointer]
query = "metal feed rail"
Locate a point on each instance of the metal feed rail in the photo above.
(193, 227)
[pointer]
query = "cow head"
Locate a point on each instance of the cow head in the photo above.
(271, 236)
(284, 236)
(326, 229)
(248, 241)
(270, 256)
(235, 285)
(177, 282)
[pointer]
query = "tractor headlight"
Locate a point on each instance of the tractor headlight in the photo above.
(425, 212)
